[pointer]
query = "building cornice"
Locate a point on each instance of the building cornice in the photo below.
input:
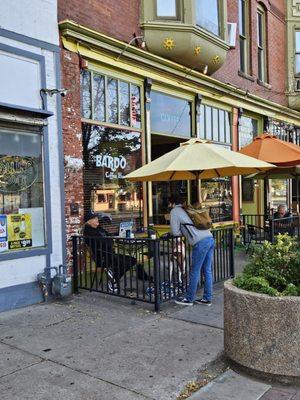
(85, 41)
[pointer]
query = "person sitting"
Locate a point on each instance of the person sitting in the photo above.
(282, 212)
(282, 221)
(101, 246)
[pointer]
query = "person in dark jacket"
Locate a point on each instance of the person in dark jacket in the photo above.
(101, 246)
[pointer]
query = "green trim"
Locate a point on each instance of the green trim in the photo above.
(103, 44)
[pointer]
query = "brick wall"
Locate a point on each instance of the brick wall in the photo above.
(72, 139)
(116, 18)
(276, 41)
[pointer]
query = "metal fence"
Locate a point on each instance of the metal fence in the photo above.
(144, 269)
(257, 227)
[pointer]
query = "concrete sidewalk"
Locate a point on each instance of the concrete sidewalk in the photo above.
(97, 347)
(94, 347)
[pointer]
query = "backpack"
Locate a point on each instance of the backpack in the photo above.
(199, 216)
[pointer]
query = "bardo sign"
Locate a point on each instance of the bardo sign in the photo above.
(111, 163)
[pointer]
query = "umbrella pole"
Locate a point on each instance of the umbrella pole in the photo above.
(266, 196)
(297, 195)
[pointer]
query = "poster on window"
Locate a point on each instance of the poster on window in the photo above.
(3, 234)
(19, 229)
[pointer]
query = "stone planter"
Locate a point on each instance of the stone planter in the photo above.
(262, 333)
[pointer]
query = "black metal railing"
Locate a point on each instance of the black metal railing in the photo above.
(144, 269)
(257, 227)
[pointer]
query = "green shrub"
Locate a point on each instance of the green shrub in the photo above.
(274, 269)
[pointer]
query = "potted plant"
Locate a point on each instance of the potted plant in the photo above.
(262, 312)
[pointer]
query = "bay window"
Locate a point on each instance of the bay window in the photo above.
(208, 15)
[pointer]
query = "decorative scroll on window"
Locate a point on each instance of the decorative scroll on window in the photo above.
(21, 191)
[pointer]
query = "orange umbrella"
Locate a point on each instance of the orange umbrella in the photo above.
(272, 150)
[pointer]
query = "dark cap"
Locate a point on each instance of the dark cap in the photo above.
(90, 215)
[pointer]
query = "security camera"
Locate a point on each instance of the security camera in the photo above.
(63, 92)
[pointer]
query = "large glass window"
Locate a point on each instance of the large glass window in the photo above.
(207, 15)
(109, 155)
(261, 43)
(297, 51)
(21, 191)
(170, 115)
(216, 196)
(166, 8)
(244, 36)
(215, 124)
(110, 100)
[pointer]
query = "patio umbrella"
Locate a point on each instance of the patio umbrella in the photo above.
(273, 150)
(198, 159)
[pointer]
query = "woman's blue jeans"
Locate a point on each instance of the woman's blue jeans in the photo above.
(202, 256)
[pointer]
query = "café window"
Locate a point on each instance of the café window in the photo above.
(215, 124)
(297, 53)
(208, 15)
(110, 154)
(167, 9)
(170, 115)
(248, 130)
(109, 100)
(21, 191)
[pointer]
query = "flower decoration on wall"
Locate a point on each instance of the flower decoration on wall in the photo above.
(216, 59)
(169, 44)
(197, 50)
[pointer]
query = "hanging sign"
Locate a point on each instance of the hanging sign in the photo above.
(17, 173)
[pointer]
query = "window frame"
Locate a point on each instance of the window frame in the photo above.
(244, 36)
(296, 74)
(262, 70)
(177, 17)
(212, 107)
(47, 247)
(119, 78)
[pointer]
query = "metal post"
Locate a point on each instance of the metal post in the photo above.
(271, 230)
(156, 275)
(231, 253)
(75, 265)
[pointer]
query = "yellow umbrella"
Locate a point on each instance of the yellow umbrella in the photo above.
(198, 159)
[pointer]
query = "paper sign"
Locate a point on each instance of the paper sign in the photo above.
(124, 228)
(19, 231)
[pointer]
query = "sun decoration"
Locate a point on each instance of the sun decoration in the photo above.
(216, 59)
(197, 50)
(169, 43)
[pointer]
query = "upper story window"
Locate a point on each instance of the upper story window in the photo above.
(167, 9)
(208, 15)
(244, 36)
(261, 44)
(109, 100)
(297, 53)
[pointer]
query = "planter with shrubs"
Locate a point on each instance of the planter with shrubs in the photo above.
(262, 312)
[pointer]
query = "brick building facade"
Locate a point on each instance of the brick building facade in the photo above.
(101, 32)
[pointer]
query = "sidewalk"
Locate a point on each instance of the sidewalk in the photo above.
(96, 347)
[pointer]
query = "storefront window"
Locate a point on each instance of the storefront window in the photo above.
(217, 198)
(248, 130)
(106, 99)
(109, 155)
(170, 115)
(297, 53)
(207, 15)
(215, 124)
(21, 191)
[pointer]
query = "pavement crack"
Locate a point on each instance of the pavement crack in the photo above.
(22, 369)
